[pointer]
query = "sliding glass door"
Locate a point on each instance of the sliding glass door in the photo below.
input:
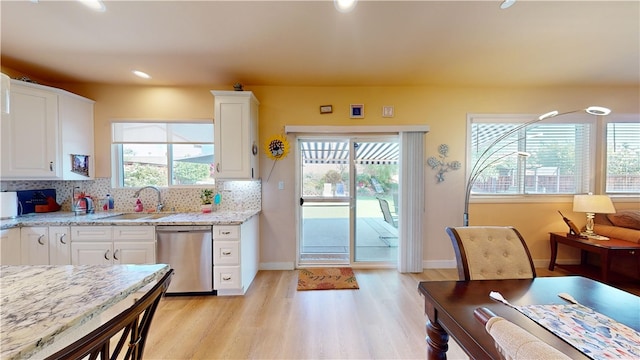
(347, 213)
(325, 201)
(376, 200)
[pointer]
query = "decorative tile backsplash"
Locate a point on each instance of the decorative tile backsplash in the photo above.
(235, 195)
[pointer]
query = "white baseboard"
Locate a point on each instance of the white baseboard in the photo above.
(439, 264)
(277, 266)
(427, 264)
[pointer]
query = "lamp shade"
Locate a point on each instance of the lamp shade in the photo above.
(597, 204)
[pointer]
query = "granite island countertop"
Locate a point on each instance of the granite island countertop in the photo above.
(42, 304)
(106, 218)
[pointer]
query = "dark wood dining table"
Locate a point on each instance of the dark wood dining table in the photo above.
(449, 306)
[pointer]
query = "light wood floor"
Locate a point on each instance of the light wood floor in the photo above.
(384, 319)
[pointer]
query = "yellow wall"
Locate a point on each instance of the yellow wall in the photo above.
(443, 109)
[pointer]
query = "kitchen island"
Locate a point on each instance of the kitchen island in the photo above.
(46, 307)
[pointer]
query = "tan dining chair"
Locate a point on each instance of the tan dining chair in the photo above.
(491, 252)
(134, 322)
(514, 342)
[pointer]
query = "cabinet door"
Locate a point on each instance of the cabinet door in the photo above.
(76, 118)
(59, 245)
(235, 123)
(10, 247)
(30, 137)
(134, 252)
(34, 243)
(91, 253)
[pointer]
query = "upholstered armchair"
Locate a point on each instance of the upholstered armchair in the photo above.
(491, 252)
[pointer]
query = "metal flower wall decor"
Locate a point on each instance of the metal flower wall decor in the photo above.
(441, 164)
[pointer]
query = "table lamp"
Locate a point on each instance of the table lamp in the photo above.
(592, 204)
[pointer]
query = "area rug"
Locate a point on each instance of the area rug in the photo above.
(327, 279)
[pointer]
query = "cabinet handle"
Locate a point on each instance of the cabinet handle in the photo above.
(115, 255)
(226, 253)
(40, 239)
(217, 167)
(50, 165)
(226, 232)
(106, 255)
(62, 237)
(226, 278)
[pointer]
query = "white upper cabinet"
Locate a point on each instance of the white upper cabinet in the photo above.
(30, 134)
(45, 127)
(236, 134)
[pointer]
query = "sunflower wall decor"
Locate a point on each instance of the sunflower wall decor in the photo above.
(277, 148)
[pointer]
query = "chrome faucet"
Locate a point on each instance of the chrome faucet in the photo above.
(160, 205)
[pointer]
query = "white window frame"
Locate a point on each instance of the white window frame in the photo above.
(614, 118)
(588, 184)
(117, 178)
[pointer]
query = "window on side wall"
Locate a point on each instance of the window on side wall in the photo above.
(623, 154)
(554, 156)
(163, 153)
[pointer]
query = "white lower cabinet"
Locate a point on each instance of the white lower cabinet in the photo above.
(43, 245)
(91, 253)
(113, 245)
(10, 247)
(34, 244)
(59, 245)
(134, 252)
(235, 257)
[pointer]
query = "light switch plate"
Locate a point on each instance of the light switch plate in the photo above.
(387, 111)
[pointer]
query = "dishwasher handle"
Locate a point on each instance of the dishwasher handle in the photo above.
(183, 228)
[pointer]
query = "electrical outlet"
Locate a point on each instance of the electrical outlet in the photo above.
(281, 185)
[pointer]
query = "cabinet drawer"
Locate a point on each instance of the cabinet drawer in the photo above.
(226, 277)
(226, 232)
(226, 253)
(134, 233)
(88, 233)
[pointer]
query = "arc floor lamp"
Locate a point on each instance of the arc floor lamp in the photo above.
(486, 159)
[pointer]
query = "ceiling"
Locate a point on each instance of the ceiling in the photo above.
(309, 43)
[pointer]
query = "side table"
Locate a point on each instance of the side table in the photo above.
(607, 249)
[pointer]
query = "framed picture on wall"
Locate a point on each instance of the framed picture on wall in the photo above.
(356, 111)
(80, 164)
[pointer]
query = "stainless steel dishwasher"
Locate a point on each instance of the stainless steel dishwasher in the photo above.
(189, 252)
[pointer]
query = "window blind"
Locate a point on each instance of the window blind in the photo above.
(162, 132)
(548, 157)
(623, 157)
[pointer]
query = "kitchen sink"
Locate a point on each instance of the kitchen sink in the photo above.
(137, 216)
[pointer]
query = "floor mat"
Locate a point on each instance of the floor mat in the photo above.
(327, 279)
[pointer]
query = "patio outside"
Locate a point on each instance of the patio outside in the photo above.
(326, 232)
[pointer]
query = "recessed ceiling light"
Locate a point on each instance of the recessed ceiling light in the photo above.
(507, 4)
(96, 5)
(345, 6)
(141, 74)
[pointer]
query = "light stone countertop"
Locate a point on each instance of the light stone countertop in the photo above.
(41, 304)
(103, 218)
